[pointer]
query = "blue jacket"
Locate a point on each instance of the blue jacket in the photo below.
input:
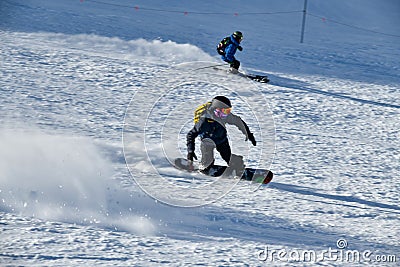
(230, 50)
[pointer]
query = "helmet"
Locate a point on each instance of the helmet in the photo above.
(221, 102)
(237, 35)
(221, 106)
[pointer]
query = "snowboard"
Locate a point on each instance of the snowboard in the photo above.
(260, 176)
(254, 77)
(258, 78)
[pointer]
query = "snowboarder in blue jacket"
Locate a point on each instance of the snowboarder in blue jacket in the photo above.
(227, 49)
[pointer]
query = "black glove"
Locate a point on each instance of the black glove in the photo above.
(250, 136)
(191, 156)
(240, 48)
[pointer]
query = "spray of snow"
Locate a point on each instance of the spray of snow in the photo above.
(149, 50)
(56, 177)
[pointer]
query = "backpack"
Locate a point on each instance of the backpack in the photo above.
(200, 110)
(223, 44)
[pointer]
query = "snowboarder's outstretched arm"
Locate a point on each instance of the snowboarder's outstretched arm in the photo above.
(242, 126)
(190, 142)
(191, 137)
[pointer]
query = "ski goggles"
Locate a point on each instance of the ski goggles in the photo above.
(222, 112)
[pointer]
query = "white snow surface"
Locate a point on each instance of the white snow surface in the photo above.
(97, 96)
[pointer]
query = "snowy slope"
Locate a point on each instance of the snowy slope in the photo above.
(77, 76)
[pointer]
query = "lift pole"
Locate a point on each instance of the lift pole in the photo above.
(304, 21)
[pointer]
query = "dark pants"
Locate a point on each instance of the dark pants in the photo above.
(235, 162)
(207, 150)
(235, 64)
(224, 150)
